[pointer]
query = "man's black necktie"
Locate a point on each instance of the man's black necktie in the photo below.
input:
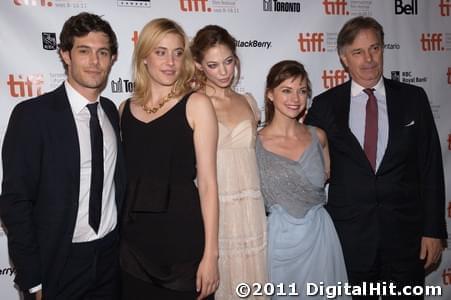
(95, 192)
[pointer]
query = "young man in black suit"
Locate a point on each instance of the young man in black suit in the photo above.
(386, 192)
(63, 178)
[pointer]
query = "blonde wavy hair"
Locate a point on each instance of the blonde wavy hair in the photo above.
(149, 37)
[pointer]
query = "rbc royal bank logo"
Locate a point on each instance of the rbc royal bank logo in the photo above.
(281, 6)
(335, 7)
(408, 77)
(332, 78)
(49, 41)
(33, 3)
(445, 8)
(311, 42)
(25, 85)
(409, 7)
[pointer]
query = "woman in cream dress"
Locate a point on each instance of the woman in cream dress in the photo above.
(242, 221)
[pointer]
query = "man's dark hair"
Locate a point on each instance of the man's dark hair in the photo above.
(351, 29)
(81, 25)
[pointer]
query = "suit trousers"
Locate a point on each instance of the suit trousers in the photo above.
(400, 273)
(91, 271)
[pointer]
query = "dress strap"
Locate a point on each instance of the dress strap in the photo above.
(254, 106)
(125, 114)
(186, 97)
(127, 106)
(313, 133)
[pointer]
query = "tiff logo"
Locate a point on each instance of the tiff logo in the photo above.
(407, 9)
(25, 86)
(311, 42)
(332, 78)
(449, 148)
(135, 38)
(445, 8)
(335, 7)
(33, 2)
(432, 42)
(446, 276)
(449, 75)
(193, 6)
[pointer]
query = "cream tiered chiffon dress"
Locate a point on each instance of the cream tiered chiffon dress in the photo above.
(242, 221)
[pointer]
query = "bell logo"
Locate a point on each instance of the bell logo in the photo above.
(194, 6)
(432, 42)
(33, 3)
(445, 8)
(449, 75)
(25, 86)
(311, 42)
(410, 8)
(335, 7)
(332, 78)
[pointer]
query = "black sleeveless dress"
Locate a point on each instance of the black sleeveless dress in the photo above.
(162, 234)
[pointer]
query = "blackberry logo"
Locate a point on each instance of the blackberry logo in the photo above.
(253, 44)
(8, 271)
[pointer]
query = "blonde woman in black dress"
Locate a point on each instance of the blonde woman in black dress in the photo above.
(169, 247)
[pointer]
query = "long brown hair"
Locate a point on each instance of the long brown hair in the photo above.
(209, 37)
(278, 73)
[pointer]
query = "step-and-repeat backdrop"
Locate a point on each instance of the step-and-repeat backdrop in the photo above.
(417, 50)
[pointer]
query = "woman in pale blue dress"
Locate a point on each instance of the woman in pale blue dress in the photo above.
(293, 159)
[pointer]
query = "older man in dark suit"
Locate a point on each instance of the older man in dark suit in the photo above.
(386, 193)
(63, 175)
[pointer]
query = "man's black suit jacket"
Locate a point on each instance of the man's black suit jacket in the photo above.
(40, 190)
(391, 210)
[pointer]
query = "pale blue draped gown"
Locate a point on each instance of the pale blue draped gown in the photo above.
(303, 246)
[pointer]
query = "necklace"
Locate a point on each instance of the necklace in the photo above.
(152, 110)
